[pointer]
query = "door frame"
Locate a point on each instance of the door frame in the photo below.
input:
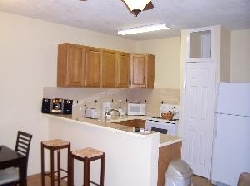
(186, 60)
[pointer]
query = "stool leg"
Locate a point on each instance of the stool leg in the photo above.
(102, 170)
(42, 165)
(86, 172)
(69, 167)
(52, 168)
(71, 170)
(58, 168)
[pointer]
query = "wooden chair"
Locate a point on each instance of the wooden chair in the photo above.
(163, 131)
(10, 176)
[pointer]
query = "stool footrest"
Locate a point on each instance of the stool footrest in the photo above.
(63, 170)
(56, 177)
(48, 173)
(94, 183)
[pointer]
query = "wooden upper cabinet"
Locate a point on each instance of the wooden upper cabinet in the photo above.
(92, 67)
(70, 65)
(122, 70)
(142, 70)
(137, 70)
(83, 66)
(150, 71)
(108, 68)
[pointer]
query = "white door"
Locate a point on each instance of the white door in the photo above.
(198, 121)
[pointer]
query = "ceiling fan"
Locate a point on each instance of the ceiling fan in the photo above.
(135, 6)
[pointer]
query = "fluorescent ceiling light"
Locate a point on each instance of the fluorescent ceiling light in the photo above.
(143, 29)
(136, 4)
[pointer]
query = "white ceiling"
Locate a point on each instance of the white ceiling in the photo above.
(107, 16)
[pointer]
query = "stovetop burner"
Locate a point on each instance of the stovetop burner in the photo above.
(161, 123)
(159, 119)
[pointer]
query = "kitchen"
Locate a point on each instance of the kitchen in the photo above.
(32, 63)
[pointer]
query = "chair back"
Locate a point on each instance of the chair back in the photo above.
(23, 145)
(163, 131)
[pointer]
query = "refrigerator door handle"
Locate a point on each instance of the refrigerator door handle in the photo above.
(215, 126)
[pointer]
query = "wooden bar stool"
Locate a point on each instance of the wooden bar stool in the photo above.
(52, 146)
(87, 155)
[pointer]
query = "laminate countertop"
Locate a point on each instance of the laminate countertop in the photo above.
(114, 125)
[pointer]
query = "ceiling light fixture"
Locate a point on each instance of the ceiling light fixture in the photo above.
(136, 6)
(143, 29)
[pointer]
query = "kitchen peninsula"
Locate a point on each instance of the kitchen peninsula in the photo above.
(131, 158)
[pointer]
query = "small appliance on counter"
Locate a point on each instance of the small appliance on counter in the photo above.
(57, 106)
(136, 109)
(91, 113)
(46, 105)
(105, 107)
(67, 106)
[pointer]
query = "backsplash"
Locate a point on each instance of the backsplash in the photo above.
(93, 97)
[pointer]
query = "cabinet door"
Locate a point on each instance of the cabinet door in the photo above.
(137, 70)
(92, 67)
(123, 70)
(150, 74)
(108, 70)
(70, 65)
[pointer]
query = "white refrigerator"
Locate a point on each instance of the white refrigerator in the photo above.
(231, 148)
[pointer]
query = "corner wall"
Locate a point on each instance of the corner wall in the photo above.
(167, 57)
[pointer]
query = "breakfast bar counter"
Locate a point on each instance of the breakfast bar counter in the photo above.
(165, 140)
(132, 158)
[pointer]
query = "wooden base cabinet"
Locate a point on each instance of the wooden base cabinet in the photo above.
(166, 155)
(142, 70)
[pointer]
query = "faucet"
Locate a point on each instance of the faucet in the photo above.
(110, 111)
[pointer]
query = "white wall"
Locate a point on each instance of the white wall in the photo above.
(225, 51)
(28, 56)
(240, 56)
(167, 57)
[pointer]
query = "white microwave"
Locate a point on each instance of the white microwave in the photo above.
(136, 109)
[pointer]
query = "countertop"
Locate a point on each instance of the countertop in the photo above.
(164, 139)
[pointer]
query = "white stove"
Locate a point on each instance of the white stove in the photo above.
(159, 123)
(170, 126)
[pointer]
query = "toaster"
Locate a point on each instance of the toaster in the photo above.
(91, 113)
